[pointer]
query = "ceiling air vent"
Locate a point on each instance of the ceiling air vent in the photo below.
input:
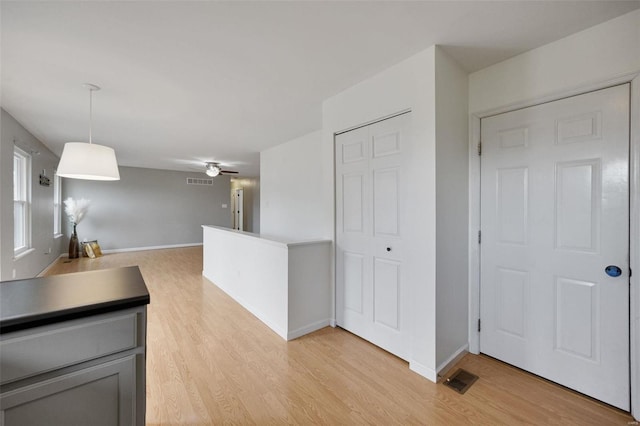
(198, 181)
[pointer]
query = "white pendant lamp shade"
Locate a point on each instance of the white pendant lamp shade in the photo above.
(81, 160)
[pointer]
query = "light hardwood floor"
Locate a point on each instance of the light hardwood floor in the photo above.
(211, 362)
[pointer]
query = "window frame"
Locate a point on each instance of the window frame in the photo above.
(22, 196)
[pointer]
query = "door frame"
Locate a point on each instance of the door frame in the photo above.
(634, 217)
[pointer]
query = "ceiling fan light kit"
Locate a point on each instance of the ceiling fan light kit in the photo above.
(213, 169)
(89, 161)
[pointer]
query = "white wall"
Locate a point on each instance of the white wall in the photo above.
(407, 85)
(255, 216)
(594, 55)
(292, 183)
(285, 285)
(252, 270)
(46, 247)
(6, 166)
(149, 208)
(604, 54)
(452, 171)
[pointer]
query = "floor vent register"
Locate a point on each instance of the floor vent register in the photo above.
(461, 381)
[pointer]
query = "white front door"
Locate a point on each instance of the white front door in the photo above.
(238, 209)
(555, 215)
(371, 289)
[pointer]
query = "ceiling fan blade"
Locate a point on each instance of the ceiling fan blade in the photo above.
(228, 171)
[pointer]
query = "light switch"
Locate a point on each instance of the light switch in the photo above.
(224, 206)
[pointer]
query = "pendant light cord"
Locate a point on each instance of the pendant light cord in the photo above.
(91, 88)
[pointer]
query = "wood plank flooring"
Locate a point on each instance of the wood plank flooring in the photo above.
(211, 362)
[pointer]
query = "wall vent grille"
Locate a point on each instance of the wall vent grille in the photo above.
(198, 181)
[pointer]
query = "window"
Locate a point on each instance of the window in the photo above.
(57, 205)
(21, 201)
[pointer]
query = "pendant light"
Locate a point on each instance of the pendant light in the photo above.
(81, 160)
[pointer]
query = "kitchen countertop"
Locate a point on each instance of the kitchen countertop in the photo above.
(40, 301)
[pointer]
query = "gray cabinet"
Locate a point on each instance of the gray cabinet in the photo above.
(88, 371)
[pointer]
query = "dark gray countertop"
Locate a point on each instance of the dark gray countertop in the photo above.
(40, 301)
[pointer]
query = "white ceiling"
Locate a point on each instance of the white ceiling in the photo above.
(188, 82)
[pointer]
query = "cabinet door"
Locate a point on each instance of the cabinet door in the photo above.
(100, 395)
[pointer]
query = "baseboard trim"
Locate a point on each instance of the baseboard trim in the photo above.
(424, 371)
(308, 329)
(453, 360)
(169, 246)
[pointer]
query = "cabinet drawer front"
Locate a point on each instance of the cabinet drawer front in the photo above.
(48, 348)
(101, 395)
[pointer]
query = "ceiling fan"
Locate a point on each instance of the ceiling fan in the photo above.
(213, 169)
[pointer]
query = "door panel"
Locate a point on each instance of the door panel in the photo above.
(577, 311)
(353, 281)
(353, 150)
(387, 292)
(371, 293)
(352, 200)
(578, 198)
(511, 303)
(385, 202)
(580, 128)
(512, 205)
(386, 142)
(554, 212)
